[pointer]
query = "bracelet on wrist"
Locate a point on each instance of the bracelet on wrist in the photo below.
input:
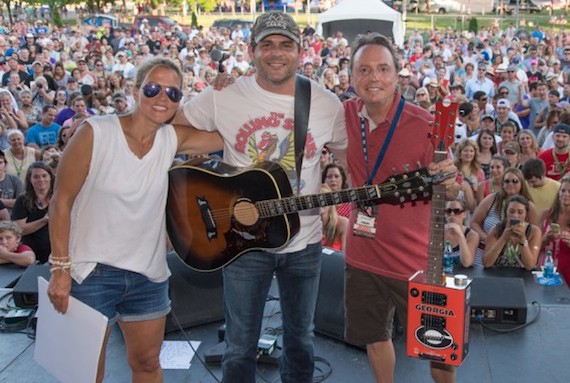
(60, 268)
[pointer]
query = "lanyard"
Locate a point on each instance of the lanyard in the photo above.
(384, 146)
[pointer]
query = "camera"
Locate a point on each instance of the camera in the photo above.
(514, 221)
(39, 86)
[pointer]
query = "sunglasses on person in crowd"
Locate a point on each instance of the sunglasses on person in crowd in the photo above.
(513, 181)
(454, 211)
(153, 89)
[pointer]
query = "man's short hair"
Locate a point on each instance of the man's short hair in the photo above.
(47, 107)
(534, 167)
(478, 95)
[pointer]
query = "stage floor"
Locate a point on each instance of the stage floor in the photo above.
(537, 353)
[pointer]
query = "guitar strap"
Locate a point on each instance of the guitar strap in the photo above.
(302, 107)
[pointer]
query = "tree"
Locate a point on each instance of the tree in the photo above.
(473, 25)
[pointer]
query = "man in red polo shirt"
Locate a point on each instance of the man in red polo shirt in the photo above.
(379, 265)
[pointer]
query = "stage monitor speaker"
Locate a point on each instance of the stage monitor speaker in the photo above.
(329, 313)
(197, 297)
(25, 291)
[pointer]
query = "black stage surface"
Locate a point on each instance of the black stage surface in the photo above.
(536, 353)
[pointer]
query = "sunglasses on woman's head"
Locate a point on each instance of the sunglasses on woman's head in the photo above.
(153, 89)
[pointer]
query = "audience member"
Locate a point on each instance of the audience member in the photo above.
(11, 248)
(334, 226)
(335, 178)
(543, 190)
(556, 229)
(30, 210)
(514, 242)
(464, 241)
(557, 159)
(44, 132)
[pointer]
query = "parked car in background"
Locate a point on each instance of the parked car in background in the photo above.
(163, 22)
(510, 6)
(99, 20)
(436, 6)
(555, 5)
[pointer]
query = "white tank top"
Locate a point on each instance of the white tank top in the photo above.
(118, 217)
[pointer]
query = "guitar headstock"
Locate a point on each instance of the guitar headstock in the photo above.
(407, 186)
(442, 136)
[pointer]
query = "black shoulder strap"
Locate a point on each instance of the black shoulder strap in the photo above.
(302, 107)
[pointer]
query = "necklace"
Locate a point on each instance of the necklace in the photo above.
(561, 168)
(16, 166)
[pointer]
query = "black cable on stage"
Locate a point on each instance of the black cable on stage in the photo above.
(511, 329)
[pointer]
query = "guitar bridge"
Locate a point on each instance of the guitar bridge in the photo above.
(207, 217)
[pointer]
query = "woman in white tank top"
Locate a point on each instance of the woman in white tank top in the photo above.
(108, 214)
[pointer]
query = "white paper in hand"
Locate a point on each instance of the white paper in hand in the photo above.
(68, 346)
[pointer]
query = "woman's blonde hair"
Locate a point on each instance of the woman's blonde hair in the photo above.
(329, 228)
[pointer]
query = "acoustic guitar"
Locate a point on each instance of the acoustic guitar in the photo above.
(216, 212)
(438, 305)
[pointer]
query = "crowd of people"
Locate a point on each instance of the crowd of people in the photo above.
(508, 204)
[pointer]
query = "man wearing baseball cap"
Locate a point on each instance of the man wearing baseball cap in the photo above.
(557, 159)
(255, 117)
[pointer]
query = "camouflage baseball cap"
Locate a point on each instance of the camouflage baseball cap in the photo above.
(275, 23)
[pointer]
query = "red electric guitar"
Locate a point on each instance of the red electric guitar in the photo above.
(438, 305)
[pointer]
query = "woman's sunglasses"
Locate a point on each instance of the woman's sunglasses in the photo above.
(454, 211)
(153, 89)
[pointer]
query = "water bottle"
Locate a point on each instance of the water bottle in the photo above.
(448, 258)
(548, 268)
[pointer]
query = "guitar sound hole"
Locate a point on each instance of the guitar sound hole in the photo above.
(246, 213)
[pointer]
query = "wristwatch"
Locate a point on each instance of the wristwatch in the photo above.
(525, 243)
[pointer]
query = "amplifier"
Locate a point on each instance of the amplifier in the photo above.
(498, 300)
(25, 291)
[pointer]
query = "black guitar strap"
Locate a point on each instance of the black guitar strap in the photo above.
(302, 107)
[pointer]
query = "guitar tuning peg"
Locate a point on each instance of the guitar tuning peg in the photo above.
(418, 165)
(402, 199)
(406, 167)
(414, 196)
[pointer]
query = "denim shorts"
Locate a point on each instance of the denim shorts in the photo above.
(123, 295)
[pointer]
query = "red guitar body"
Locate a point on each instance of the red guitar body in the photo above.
(438, 309)
(438, 320)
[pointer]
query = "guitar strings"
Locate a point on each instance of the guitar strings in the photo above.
(275, 207)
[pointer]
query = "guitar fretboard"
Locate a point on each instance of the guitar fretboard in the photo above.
(275, 207)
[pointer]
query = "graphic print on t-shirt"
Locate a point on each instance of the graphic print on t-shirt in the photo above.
(271, 138)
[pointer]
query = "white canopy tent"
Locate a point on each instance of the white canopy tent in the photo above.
(353, 17)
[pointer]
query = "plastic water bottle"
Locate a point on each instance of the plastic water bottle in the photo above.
(548, 268)
(448, 258)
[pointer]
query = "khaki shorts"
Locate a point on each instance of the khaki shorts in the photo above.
(370, 302)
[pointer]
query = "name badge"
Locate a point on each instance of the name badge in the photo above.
(365, 225)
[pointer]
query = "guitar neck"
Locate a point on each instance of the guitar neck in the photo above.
(275, 207)
(434, 273)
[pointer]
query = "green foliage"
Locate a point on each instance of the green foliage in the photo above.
(473, 25)
(194, 22)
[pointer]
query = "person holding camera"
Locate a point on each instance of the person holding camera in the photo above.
(42, 95)
(514, 242)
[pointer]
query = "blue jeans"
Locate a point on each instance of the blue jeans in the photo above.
(246, 284)
(123, 295)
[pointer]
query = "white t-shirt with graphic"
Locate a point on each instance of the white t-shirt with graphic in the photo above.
(258, 125)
